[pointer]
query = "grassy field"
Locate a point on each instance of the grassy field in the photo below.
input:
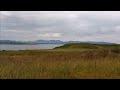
(71, 61)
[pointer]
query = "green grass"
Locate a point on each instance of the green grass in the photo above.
(88, 46)
(71, 61)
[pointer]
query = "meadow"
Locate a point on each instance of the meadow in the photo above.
(71, 61)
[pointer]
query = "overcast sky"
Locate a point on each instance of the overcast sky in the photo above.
(60, 25)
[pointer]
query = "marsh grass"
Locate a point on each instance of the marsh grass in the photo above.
(60, 64)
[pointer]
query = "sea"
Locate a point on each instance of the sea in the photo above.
(28, 46)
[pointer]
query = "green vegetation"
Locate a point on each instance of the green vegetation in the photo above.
(71, 61)
(88, 46)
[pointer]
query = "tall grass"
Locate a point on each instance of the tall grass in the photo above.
(60, 64)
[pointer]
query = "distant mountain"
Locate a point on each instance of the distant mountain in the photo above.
(73, 42)
(6, 41)
(90, 42)
(49, 42)
(11, 42)
(31, 42)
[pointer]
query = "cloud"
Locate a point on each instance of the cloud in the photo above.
(50, 35)
(63, 25)
(117, 29)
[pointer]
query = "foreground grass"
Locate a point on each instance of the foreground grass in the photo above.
(60, 64)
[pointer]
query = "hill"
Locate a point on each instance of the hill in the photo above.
(51, 42)
(88, 46)
(48, 41)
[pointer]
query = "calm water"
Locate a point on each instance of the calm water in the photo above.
(28, 47)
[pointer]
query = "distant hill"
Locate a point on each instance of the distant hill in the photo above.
(49, 42)
(31, 42)
(6, 41)
(12, 42)
(90, 42)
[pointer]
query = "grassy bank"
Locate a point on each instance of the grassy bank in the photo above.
(71, 61)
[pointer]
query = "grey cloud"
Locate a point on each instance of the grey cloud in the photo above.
(75, 25)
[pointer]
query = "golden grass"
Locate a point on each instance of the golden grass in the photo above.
(59, 64)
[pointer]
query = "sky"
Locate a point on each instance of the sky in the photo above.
(60, 25)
